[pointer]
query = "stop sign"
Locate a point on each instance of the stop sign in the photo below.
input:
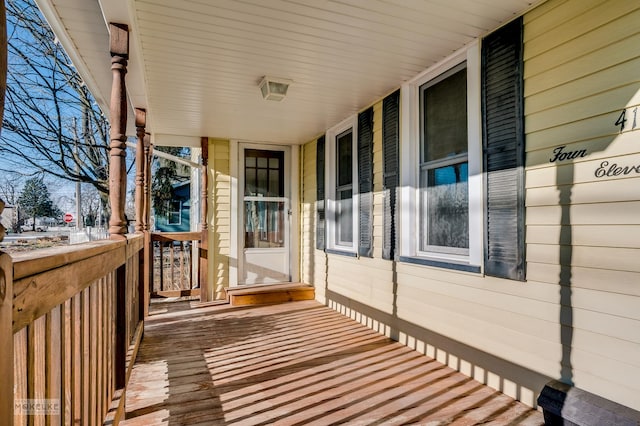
(68, 217)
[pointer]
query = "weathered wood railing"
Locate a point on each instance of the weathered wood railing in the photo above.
(174, 271)
(76, 325)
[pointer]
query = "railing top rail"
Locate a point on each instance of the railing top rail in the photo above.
(34, 262)
(176, 236)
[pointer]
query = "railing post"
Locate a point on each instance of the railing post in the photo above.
(119, 47)
(141, 122)
(6, 269)
(204, 227)
(6, 334)
(146, 213)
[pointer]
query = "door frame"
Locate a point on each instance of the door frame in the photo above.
(292, 191)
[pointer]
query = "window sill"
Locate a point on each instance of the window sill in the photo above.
(341, 252)
(440, 264)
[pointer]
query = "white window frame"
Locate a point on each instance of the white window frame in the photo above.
(330, 185)
(178, 212)
(410, 141)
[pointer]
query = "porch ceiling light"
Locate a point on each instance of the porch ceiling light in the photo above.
(274, 89)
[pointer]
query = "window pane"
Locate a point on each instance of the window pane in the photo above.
(264, 173)
(343, 148)
(445, 117)
(262, 187)
(250, 181)
(344, 216)
(264, 224)
(444, 206)
(274, 183)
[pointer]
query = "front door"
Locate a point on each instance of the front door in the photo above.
(265, 217)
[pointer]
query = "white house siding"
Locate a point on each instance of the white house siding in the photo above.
(581, 70)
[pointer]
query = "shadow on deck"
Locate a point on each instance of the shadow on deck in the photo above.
(293, 364)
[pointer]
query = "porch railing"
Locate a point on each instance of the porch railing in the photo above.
(175, 267)
(77, 319)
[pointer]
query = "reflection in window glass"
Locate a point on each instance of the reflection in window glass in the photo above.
(445, 207)
(264, 224)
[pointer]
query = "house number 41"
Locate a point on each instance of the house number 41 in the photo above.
(622, 119)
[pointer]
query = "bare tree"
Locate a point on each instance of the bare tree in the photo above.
(52, 123)
(10, 189)
(91, 207)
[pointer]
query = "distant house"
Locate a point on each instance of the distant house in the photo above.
(177, 218)
(9, 217)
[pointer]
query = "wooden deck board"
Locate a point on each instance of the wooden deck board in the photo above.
(298, 363)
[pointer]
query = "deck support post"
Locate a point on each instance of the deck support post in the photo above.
(119, 47)
(141, 122)
(204, 227)
(146, 218)
(6, 269)
(141, 203)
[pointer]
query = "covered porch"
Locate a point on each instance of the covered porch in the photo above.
(330, 188)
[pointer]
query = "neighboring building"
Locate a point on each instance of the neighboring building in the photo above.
(178, 214)
(463, 177)
(9, 218)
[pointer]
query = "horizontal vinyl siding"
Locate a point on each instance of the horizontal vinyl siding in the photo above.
(220, 225)
(312, 261)
(581, 71)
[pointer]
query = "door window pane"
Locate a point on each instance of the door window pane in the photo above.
(264, 173)
(264, 224)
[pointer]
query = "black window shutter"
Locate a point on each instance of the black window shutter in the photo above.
(503, 135)
(391, 171)
(320, 218)
(365, 182)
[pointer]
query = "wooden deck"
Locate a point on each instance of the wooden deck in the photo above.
(298, 363)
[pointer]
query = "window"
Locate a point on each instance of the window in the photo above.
(341, 190)
(345, 209)
(444, 171)
(461, 166)
(174, 212)
(441, 218)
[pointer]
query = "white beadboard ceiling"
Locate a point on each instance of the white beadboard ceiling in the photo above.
(195, 65)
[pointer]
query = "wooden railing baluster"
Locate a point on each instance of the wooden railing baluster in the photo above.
(173, 268)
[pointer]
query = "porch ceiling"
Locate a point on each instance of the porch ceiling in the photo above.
(195, 64)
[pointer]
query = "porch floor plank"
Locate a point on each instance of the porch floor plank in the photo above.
(298, 363)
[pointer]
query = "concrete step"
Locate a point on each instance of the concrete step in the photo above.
(269, 293)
